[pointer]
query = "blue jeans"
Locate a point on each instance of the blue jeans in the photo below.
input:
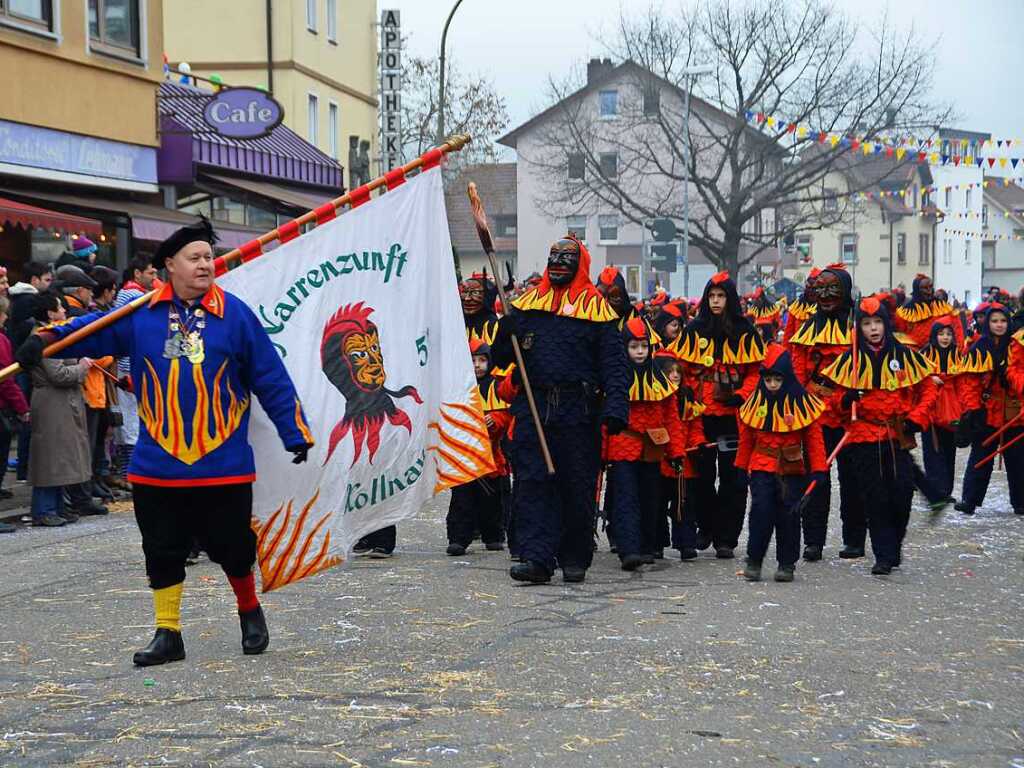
(47, 500)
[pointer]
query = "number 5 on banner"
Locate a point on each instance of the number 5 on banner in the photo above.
(421, 347)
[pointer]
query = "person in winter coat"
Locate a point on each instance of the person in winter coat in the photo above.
(12, 403)
(782, 450)
(60, 455)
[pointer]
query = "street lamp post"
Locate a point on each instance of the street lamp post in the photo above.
(440, 96)
(689, 72)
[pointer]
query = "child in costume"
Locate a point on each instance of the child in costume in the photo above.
(480, 505)
(782, 450)
(634, 455)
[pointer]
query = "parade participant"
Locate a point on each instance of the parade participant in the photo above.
(782, 450)
(893, 391)
(480, 505)
(916, 317)
(1017, 321)
(823, 337)
(478, 295)
(977, 328)
(573, 354)
(653, 433)
(723, 349)
(680, 498)
(990, 401)
(938, 445)
(197, 356)
(802, 308)
(668, 323)
(612, 286)
(765, 314)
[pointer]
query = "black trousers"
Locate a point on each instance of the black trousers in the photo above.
(939, 465)
(772, 499)
(478, 506)
(219, 516)
(724, 508)
(884, 480)
(976, 480)
(684, 526)
(637, 506)
(816, 513)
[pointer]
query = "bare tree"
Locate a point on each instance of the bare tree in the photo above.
(472, 106)
(750, 186)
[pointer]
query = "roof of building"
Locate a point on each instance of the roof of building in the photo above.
(496, 184)
(1009, 197)
(282, 154)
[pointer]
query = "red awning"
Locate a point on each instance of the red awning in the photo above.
(30, 216)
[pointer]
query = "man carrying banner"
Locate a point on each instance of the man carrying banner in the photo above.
(573, 352)
(193, 466)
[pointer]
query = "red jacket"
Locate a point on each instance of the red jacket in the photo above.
(759, 449)
(877, 409)
(11, 396)
(738, 364)
(644, 415)
(982, 387)
(693, 438)
(919, 330)
(796, 314)
(1015, 363)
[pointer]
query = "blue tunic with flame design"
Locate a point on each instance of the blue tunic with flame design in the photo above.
(195, 415)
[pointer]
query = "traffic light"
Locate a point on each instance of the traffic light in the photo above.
(664, 230)
(664, 257)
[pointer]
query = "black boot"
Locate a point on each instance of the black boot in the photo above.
(812, 553)
(572, 574)
(165, 646)
(494, 546)
(881, 568)
(703, 541)
(535, 573)
(687, 553)
(850, 552)
(456, 550)
(632, 562)
(752, 570)
(963, 506)
(784, 573)
(724, 553)
(255, 635)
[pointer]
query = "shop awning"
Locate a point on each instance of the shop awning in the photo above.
(15, 213)
(148, 222)
(302, 199)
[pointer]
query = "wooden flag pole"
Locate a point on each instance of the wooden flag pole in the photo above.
(236, 256)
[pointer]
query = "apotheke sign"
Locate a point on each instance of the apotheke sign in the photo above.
(243, 113)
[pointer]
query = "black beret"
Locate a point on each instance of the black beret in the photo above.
(201, 231)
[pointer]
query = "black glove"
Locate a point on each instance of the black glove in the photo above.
(734, 401)
(962, 432)
(911, 427)
(819, 478)
(852, 396)
(614, 425)
(676, 464)
(301, 453)
(30, 354)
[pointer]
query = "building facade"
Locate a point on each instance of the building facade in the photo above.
(318, 58)
(76, 118)
(1002, 247)
(496, 184)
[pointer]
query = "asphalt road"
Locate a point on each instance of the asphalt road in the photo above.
(430, 660)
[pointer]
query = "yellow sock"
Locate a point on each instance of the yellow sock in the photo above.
(167, 607)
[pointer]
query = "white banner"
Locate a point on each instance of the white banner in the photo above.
(365, 312)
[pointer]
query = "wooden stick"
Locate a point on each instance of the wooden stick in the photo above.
(998, 451)
(988, 440)
(854, 333)
(828, 463)
(488, 244)
(454, 144)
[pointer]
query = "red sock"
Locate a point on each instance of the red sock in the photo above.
(245, 592)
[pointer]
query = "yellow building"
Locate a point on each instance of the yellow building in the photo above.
(77, 121)
(317, 57)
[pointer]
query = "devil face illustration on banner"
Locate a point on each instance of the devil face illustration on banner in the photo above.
(352, 359)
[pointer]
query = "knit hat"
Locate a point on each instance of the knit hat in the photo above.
(83, 247)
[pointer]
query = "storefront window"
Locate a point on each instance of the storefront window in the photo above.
(258, 217)
(114, 24)
(33, 12)
(225, 209)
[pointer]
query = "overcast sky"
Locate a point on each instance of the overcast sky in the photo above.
(520, 43)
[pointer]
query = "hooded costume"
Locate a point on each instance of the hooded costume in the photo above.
(196, 366)
(894, 390)
(478, 295)
(780, 447)
(723, 353)
(634, 455)
(765, 314)
(573, 355)
(916, 316)
(991, 392)
(481, 505)
(802, 308)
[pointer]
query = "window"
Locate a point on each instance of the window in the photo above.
(332, 130)
(577, 226)
(947, 251)
(35, 13)
(505, 225)
(967, 200)
(967, 251)
(803, 249)
(608, 228)
(312, 134)
(610, 165)
(633, 279)
(332, 21)
(913, 197)
(609, 103)
(652, 100)
(831, 202)
(1018, 233)
(114, 25)
(901, 248)
(949, 198)
(984, 214)
(926, 198)
(967, 297)
(924, 255)
(576, 166)
(311, 15)
(848, 249)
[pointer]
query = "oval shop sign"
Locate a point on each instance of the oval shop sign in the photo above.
(243, 113)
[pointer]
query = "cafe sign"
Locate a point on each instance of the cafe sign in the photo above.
(243, 113)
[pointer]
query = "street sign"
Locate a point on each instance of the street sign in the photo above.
(664, 230)
(243, 113)
(664, 257)
(391, 88)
